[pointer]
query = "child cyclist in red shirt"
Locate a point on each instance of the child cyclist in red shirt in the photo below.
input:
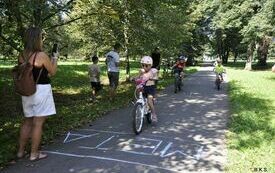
(180, 65)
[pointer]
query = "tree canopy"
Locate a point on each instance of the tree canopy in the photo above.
(83, 28)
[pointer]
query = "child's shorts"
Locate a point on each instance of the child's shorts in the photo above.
(96, 86)
(149, 90)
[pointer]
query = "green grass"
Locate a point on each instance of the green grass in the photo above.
(72, 91)
(251, 142)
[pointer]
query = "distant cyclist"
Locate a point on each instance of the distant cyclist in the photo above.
(219, 69)
(149, 75)
(179, 66)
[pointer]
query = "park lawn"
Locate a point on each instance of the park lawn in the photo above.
(251, 136)
(71, 90)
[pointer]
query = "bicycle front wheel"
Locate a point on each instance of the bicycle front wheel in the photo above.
(137, 118)
(218, 84)
(176, 83)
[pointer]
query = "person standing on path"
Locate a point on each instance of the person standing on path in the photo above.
(156, 61)
(40, 105)
(156, 58)
(112, 62)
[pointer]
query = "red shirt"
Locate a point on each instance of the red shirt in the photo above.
(180, 65)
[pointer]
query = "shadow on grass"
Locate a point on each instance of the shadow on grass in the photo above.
(236, 65)
(272, 77)
(255, 66)
(251, 119)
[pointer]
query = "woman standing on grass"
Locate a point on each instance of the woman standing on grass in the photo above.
(41, 104)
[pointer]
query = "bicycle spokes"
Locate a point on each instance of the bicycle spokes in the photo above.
(138, 116)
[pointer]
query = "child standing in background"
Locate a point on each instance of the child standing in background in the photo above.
(94, 73)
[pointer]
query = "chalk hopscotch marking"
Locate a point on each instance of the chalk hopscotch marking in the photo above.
(104, 141)
(199, 153)
(165, 149)
(188, 94)
(166, 152)
(154, 147)
(81, 136)
(157, 146)
(109, 159)
(123, 133)
(98, 146)
(162, 153)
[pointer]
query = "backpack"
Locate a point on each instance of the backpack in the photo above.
(24, 83)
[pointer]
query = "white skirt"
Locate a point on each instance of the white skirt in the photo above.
(39, 104)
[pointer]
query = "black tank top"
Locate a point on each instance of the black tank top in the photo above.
(44, 78)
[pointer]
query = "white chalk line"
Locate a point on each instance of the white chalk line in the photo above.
(156, 147)
(105, 131)
(94, 148)
(128, 151)
(75, 139)
(199, 153)
(104, 142)
(109, 159)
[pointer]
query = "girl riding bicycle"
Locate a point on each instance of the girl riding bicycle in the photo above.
(149, 75)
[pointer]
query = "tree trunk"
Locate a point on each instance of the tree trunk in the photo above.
(219, 42)
(225, 57)
(126, 38)
(262, 51)
(235, 56)
(250, 50)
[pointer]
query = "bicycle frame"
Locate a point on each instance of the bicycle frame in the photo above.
(143, 102)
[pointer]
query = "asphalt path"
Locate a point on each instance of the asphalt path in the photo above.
(189, 137)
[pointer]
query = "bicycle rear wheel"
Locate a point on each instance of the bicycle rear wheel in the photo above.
(137, 118)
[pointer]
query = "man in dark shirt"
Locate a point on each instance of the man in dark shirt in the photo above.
(156, 58)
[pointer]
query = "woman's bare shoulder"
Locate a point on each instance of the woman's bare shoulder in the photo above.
(42, 54)
(41, 58)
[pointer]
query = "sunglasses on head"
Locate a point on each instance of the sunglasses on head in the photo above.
(43, 37)
(146, 65)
